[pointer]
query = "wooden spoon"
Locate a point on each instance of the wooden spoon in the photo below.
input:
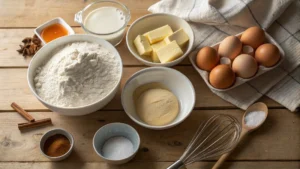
(245, 129)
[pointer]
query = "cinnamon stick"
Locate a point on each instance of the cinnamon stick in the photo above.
(22, 112)
(37, 123)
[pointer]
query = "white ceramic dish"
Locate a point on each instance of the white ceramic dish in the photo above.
(39, 29)
(153, 21)
(172, 79)
(54, 132)
(43, 54)
(113, 130)
(261, 69)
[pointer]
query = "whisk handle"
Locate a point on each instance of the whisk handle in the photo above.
(177, 165)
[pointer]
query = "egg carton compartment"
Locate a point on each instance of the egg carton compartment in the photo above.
(238, 81)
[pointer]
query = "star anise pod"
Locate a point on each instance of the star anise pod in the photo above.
(26, 40)
(30, 46)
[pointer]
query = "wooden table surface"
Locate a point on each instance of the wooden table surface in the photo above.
(275, 145)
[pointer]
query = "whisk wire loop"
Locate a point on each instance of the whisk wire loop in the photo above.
(218, 135)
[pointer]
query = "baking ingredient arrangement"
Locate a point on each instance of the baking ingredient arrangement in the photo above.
(81, 73)
(236, 59)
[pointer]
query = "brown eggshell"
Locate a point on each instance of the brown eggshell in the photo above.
(253, 36)
(245, 66)
(207, 58)
(267, 55)
(230, 47)
(221, 77)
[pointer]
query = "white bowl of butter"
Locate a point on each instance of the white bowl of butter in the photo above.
(156, 115)
(166, 31)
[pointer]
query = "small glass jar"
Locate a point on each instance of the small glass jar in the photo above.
(115, 34)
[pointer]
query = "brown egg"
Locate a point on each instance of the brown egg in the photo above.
(221, 77)
(253, 36)
(267, 55)
(230, 47)
(207, 58)
(244, 66)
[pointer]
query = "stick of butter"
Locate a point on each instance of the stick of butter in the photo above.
(142, 45)
(159, 34)
(169, 52)
(155, 47)
(180, 36)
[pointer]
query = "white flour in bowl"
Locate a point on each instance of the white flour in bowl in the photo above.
(78, 74)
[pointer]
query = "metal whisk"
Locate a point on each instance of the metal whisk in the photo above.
(218, 135)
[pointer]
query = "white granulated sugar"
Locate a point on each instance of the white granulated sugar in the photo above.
(78, 74)
(254, 118)
(117, 148)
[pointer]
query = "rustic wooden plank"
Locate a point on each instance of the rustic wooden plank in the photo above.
(278, 139)
(14, 88)
(31, 13)
(149, 165)
(10, 40)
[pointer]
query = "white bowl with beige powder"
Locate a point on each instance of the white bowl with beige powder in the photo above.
(149, 97)
(75, 75)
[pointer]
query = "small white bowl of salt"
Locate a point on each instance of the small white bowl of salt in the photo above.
(116, 143)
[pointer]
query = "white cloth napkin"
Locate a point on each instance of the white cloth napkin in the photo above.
(213, 20)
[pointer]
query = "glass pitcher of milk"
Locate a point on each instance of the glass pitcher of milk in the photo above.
(105, 18)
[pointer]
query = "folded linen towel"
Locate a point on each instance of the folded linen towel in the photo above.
(213, 20)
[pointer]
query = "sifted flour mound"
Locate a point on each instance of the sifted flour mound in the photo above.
(79, 74)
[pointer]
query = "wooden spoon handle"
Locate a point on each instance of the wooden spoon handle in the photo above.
(224, 157)
(221, 160)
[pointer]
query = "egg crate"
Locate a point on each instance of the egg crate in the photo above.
(238, 81)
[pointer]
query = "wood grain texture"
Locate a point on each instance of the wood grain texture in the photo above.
(14, 88)
(271, 142)
(10, 39)
(149, 165)
(31, 13)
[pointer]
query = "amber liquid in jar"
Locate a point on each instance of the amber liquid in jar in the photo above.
(54, 31)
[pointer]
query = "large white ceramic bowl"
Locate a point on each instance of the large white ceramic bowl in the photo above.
(153, 21)
(173, 80)
(45, 52)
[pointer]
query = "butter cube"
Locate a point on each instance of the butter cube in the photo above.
(169, 52)
(179, 36)
(142, 45)
(159, 34)
(155, 47)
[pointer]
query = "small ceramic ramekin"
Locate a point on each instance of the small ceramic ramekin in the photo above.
(113, 130)
(51, 133)
(39, 29)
